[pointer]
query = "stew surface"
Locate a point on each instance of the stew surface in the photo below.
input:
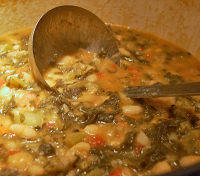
(88, 126)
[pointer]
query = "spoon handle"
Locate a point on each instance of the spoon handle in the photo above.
(163, 90)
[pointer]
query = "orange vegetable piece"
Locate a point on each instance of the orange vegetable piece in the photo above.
(2, 81)
(3, 130)
(116, 172)
(100, 75)
(22, 70)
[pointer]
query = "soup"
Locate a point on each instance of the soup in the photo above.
(87, 125)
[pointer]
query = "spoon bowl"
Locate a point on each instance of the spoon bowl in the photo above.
(65, 29)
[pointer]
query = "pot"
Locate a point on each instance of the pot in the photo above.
(177, 21)
(174, 20)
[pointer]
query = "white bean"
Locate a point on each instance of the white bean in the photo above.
(16, 47)
(91, 129)
(71, 173)
(67, 60)
(131, 109)
(23, 131)
(92, 78)
(124, 52)
(142, 139)
(189, 160)
(65, 108)
(36, 170)
(16, 53)
(152, 82)
(161, 168)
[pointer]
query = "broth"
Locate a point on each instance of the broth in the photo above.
(92, 128)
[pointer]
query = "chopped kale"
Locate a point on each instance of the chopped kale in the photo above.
(149, 157)
(102, 54)
(8, 172)
(194, 119)
(162, 129)
(173, 79)
(9, 106)
(82, 77)
(129, 142)
(46, 149)
(176, 111)
(74, 92)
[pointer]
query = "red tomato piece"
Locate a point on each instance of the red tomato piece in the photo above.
(130, 68)
(12, 135)
(133, 69)
(50, 124)
(116, 172)
(135, 80)
(141, 48)
(12, 152)
(95, 140)
(114, 66)
(135, 73)
(149, 56)
(3, 166)
(138, 148)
